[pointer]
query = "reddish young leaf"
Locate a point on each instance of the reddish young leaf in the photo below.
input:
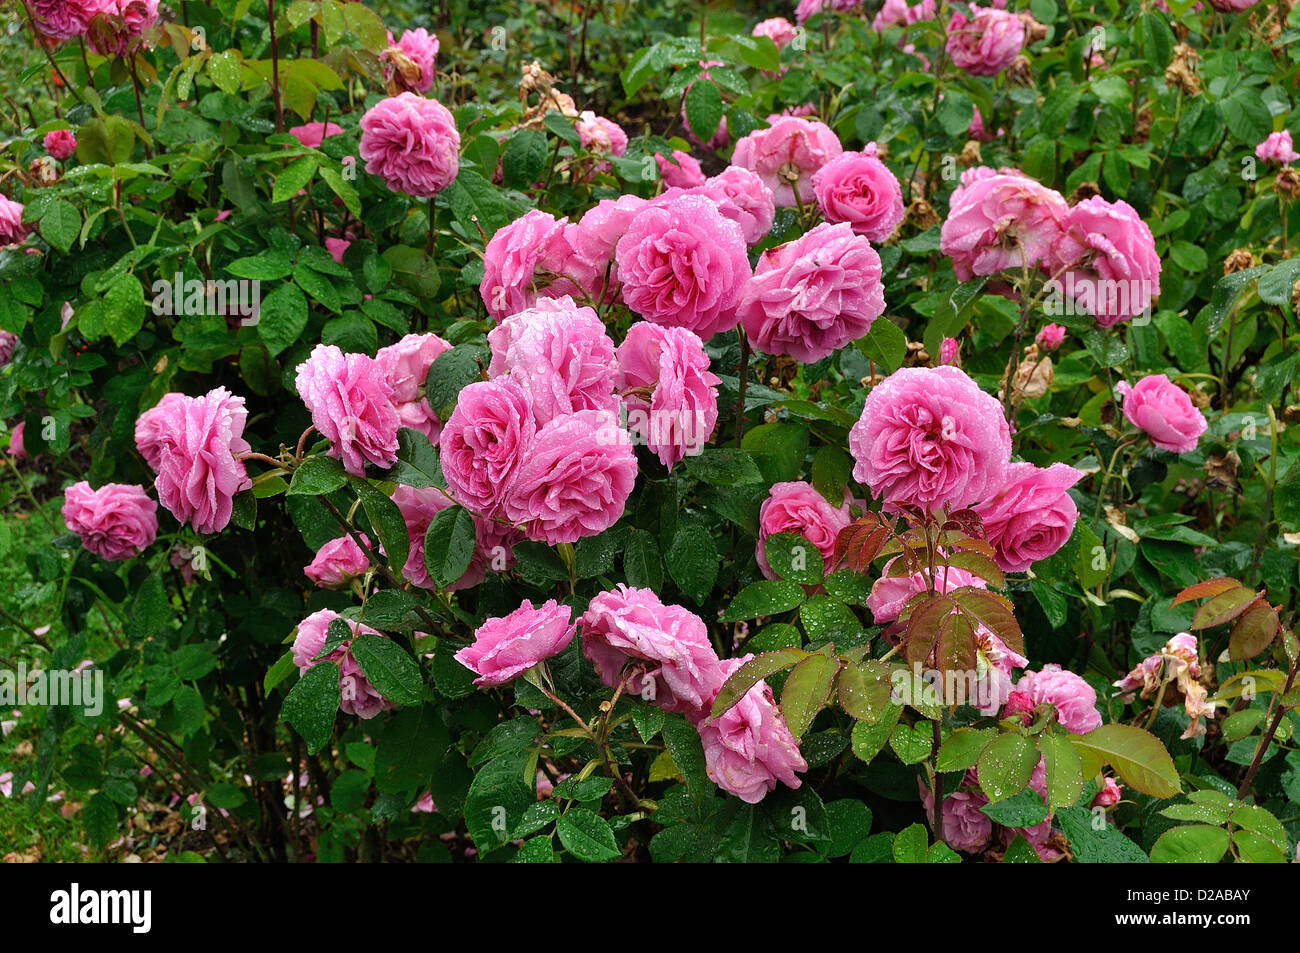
(1224, 607)
(981, 565)
(1210, 587)
(994, 612)
(955, 650)
(1254, 631)
(923, 625)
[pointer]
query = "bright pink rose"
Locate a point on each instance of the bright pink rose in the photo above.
(986, 45)
(625, 625)
(1032, 515)
(1075, 700)
(123, 24)
(411, 143)
(337, 563)
(742, 197)
(890, 594)
(337, 247)
(405, 365)
(356, 695)
(681, 171)
(117, 521)
(529, 258)
(1000, 221)
(1019, 704)
(965, 826)
(1162, 409)
(418, 507)
(683, 264)
(749, 748)
(1110, 261)
(312, 134)
(16, 449)
(506, 647)
(678, 414)
(593, 238)
(12, 229)
(892, 13)
(930, 437)
(810, 297)
(1050, 337)
(64, 19)
(777, 29)
(786, 155)
(859, 189)
(798, 508)
(485, 441)
(1109, 795)
(351, 404)
(194, 445)
(561, 355)
(1276, 148)
(421, 48)
(575, 480)
(8, 341)
(950, 352)
(60, 143)
(598, 134)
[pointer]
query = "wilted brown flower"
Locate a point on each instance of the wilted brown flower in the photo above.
(1238, 260)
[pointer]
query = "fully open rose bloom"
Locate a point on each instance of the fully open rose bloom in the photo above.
(337, 563)
(749, 748)
(1075, 699)
(575, 480)
(418, 507)
(506, 647)
(529, 258)
(987, 44)
(798, 508)
(411, 143)
(810, 297)
(194, 444)
(786, 155)
(670, 393)
(743, 197)
(1000, 221)
(1162, 409)
(856, 187)
(683, 264)
(1278, 147)
(117, 521)
(1109, 260)
(681, 171)
(351, 404)
(12, 229)
(356, 695)
(929, 436)
(1032, 515)
(965, 826)
(777, 29)
(485, 441)
(64, 19)
(60, 143)
(668, 644)
(405, 365)
(121, 26)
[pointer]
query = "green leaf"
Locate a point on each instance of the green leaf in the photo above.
(1137, 756)
(750, 673)
(642, 563)
(449, 545)
(225, 71)
(312, 703)
(524, 160)
(793, 557)
(868, 739)
(850, 823)
(100, 819)
(778, 449)
(961, 749)
(912, 743)
(1095, 841)
(123, 309)
(910, 845)
(410, 745)
(316, 476)
(864, 689)
(1025, 809)
(281, 318)
(683, 744)
(60, 225)
(719, 466)
(498, 800)
(450, 372)
(389, 668)
(693, 560)
(387, 521)
(1191, 844)
(1005, 765)
(294, 178)
(765, 597)
(586, 835)
(1064, 770)
(807, 690)
(704, 109)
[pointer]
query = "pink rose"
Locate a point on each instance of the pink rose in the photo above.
(60, 143)
(964, 826)
(891, 593)
(950, 352)
(1032, 515)
(1232, 6)
(1074, 699)
(575, 480)
(1109, 795)
(418, 507)
(357, 696)
(681, 171)
(506, 647)
(312, 134)
(994, 660)
(677, 415)
(405, 365)
(598, 134)
(8, 341)
(777, 29)
(749, 748)
(1000, 221)
(798, 508)
(529, 258)
(337, 563)
(928, 436)
(12, 229)
(117, 521)
(683, 264)
(1276, 148)
(1162, 409)
(194, 445)
(337, 247)
(1050, 337)
(411, 143)
(485, 441)
(1109, 258)
(859, 189)
(810, 297)
(16, 449)
(786, 155)
(743, 197)
(64, 19)
(593, 238)
(986, 45)
(351, 404)
(421, 48)
(123, 23)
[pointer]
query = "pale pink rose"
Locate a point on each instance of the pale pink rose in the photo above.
(891, 593)
(1109, 795)
(749, 748)
(117, 521)
(987, 44)
(337, 563)
(786, 155)
(357, 696)
(777, 29)
(678, 668)
(994, 660)
(892, 13)
(12, 229)
(1050, 337)
(405, 366)
(8, 341)
(743, 197)
(16, 449)
(594, 237)
(681, 171)
(561, 355)
(485, 441)
(1031, 516)
(121, 27)
(337, 247)
(797, 507)
(1276, 148)
(194, 445)
(683, 264)
(421, 48)
(858, 188)
(64, 19)
(1109, 260)
(418, 507)
(679, 413)
(351, 404)
(531, 258)
(964, 826)
(506, 647)
(1000, 221)
(1075, 700)
(312, 134)
(60, 143)
(411, 143)
(575, 480)
(598, 134)
(928, 436)
(1161, 409)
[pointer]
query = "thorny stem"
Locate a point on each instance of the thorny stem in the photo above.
(1278, 711)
